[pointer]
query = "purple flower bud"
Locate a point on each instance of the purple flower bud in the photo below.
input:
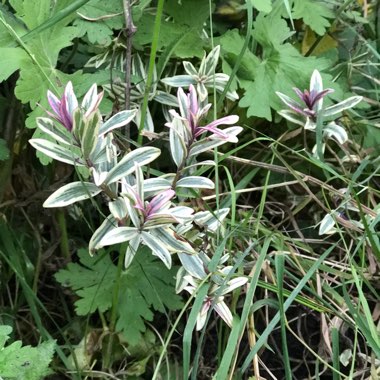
(63, 108)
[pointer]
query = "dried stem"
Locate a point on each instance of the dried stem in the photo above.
(130, 30)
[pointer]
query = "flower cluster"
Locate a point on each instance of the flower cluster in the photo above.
(311, 110)
(204, 77)
(64, 108)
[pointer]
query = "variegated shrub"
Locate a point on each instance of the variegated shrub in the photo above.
(145, 211)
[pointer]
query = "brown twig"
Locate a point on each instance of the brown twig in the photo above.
(130, 30)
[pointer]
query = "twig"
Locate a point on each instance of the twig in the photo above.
(130, 30)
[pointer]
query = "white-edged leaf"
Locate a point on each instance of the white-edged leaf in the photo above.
(201, 163)
(327, 226)
(118, 235)
(179, 81)
(90, 133)
(118, 208)
(165, 98)
(345, 104)
(158, 248)
(117, 121)
(148, 121)
(288, 101)
(177, 145)
(202, 316)
(189, 68)
(57, 152)
(108, 224)
(196, 182)
(181, 281)
(133, 245)
(175, 244)
(209, 63)
(292, 116)
(160, 219)
(211, 221)
(91, 98)
(154, 185)
(58, 132)
(209, 143)
(225, 313)
(183, 214)
(133, 212)
(71, 193)
(141, 156)
(202, 91)
(336, 132)
(193, 265)
(310, 125)
(234, 284)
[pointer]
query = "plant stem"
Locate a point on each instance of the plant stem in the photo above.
(64, 244)
(130, 30)
(152, 59)
(115, 301)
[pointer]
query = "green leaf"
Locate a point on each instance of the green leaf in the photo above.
(24, 363)
(170, 32)
(188, 12)
(11, 60)
(98, 19)
(71, 193)
(146, 286)
(313, 13)
(262, 5)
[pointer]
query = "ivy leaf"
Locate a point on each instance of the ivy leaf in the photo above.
(146, 285)
(313, 13)
(24, 363)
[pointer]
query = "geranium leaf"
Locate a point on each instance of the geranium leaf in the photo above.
(145, 286)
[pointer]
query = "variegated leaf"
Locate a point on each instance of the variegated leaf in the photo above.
(71, 193)
(141, 156)
(117, 121)
(57, 152)
(158, 248)
(118, 235)
(195, 182)
(56, 131)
